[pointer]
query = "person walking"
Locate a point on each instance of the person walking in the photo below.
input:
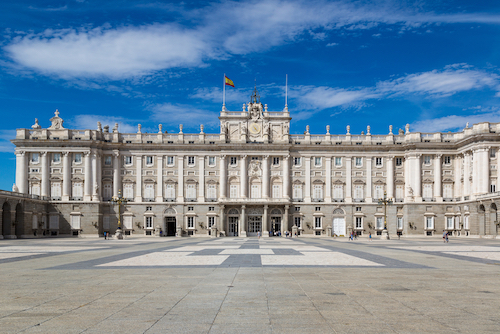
(258, 235)
(447, 237)
(105, 236)
(370, 236)
(444, 236)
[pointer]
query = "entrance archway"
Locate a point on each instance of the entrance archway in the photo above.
(338, 222)
(19, 220)
(276, 216)
(232, 221)
(170, 223)
(6, 219)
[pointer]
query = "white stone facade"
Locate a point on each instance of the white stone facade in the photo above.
(255, 177)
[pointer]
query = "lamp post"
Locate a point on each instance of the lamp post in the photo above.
(385, 202)
(119, 200)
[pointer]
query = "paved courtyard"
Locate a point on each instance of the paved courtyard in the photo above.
(236, 285)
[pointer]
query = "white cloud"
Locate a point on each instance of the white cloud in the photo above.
(453, 79)
(111, 53)
(454, 122)
(189, 116)
(332, 44)
(220, 30)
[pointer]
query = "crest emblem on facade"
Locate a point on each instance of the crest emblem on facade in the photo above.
(254, 168)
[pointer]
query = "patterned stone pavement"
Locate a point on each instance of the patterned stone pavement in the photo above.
(249, 285)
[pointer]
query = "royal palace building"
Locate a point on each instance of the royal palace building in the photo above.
(255, 177)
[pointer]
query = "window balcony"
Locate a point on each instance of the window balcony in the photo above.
(211, 199)
(169, 199)
(191, 199)
(447, 199)
(297, 199)
(340, 200)
(317, 199)
(148, 199)
(76, 198)
(359, 200)
(399, 200)
(55, 198)
(428, 199)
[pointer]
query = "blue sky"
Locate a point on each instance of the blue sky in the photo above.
(432, 64)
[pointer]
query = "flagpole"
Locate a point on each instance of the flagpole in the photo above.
(286, 91)
(224, 92)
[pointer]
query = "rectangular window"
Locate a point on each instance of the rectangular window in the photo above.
(338, 191)
(317, 161)
(380, 223)
(358, 209)
(318, 208)
(170, 161)
(75, 222)
(212, 191)
(35, 157)
(233, 191)
(276, 161)
(399, 161)
(447, 160)
(318, 192)
(359, 162)
(296, 161)
(35, 189)
(211, 208)
(255, 191)
(378, 162)
(78, 190)
(492, 188)
(449, 223)
(56, 157)
(276, 191)
(338, 161)
(107, 192)
(359, 222)
(107, 160)
(429, 223)
(493, 153)
(427, 193)
(448, 190)
(149, 208)
(149, 160)
(78, 158)
(400, 223)
(297, 191)
(149, 191)
(149, 222)
(427, 159)
(297, 221)
(211, 161)
(55, 190)
(358, 192)
(128, 191)
(400, 192)
(128, 160)
(466, 222)
(317, 222)
(211, 222)
(191, 191)
(379, 192)
(190, 161)
(297, 208)
(190, 222)
(170, 191)
(233, 161)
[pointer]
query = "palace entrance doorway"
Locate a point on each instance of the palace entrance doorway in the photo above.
(233, 227)
(170, 226)
(254, 225)
(275, 225)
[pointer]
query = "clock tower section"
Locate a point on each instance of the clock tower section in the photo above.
(255, 124)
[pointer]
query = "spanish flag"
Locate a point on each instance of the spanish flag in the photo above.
(229, 82)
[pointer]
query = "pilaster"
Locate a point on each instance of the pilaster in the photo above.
(180, 178)
(159, 179)
(437, 178)
(138, 180)
(243, 176)
(307, 197)
(390, 176)
(87, 191)
(201, 178)
(66, 184)
(328, 185)
(348, 180)
(369, 185)
(116, 173)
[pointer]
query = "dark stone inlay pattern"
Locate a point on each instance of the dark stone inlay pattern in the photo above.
(242, 260)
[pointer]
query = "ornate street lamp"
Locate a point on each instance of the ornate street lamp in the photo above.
(119, 200)
(385, 202)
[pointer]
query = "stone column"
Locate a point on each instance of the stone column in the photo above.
(116, 173)
(201, 178)
(159, 179)
(180, 178)
(22, 171)
(286, 177)
(417, 166)
(407, 178)
(437, 178)
(369, 184)
(485, 171)
(328, 186)
(242, 229)
(66, 184)
(243, 177)
(457, 189)
(284, 226)
(390, 177)
(307, 197)
(223, 177)
(87, 190)
(265, 227)
(467, 189)
(265, 177)
(45, 191)
(348, 180)
(138, 179)
(222, 221)
(96, 166)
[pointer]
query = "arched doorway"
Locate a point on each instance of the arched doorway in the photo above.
(233, 220)
(493, 220)
(19, 220)
(170, 223)
(338, 222)
(482, 219)
(6, 219)
(276, 216)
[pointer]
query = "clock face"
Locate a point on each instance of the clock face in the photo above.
(254, 128)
